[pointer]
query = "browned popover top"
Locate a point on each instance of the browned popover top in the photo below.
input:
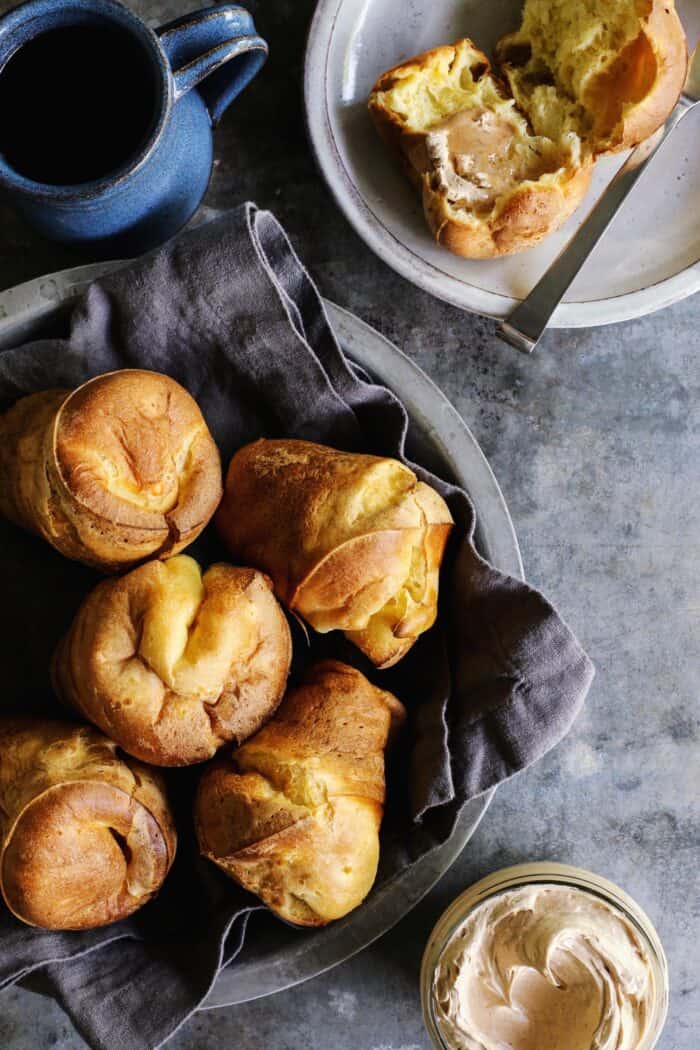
(172, 663)
(353, 542)
(86, 836)
(294, 814)
(132, 447)
(121, 469)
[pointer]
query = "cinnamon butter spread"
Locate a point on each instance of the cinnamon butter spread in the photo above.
(477, 156)
(469, 154)
(544, 968)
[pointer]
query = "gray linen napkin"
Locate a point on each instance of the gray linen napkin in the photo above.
(230, 312)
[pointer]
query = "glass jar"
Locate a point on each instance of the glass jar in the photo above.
(550, 874)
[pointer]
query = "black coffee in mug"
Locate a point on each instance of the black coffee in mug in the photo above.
(106, 126)
(76, 103)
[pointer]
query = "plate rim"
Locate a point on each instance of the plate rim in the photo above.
(584, 314)
(35, 300)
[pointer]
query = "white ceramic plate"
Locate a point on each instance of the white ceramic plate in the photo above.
(649, 259)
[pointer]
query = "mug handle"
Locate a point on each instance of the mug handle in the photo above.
(202, 44)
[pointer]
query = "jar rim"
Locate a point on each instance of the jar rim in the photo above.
(542, 873)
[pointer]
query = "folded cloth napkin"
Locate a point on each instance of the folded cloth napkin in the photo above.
(229, 311)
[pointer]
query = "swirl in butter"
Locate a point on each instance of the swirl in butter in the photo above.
(545, 968)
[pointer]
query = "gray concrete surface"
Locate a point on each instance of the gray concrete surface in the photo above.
(595, 444)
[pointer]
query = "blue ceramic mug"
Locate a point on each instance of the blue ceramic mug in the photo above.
(195, 66)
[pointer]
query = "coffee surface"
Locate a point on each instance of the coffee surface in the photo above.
(77, 103)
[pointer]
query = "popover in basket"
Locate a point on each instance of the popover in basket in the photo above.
(121, 469)
(172, 663)
(352, 542)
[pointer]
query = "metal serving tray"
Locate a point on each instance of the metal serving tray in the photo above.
(276, 956)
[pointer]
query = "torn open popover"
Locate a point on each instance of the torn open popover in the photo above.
(501, 163)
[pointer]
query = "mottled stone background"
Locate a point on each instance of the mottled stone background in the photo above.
(595, 444)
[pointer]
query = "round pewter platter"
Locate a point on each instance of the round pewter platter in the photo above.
(275, 955)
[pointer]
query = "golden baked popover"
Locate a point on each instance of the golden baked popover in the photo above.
(609, 70)
(172, 663)
(501, 163)
(293, 815)
(352, 542)
(121, 469)
(490, 186)
(86, 836)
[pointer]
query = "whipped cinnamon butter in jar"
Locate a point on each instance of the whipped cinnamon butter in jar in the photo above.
(544, 957)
